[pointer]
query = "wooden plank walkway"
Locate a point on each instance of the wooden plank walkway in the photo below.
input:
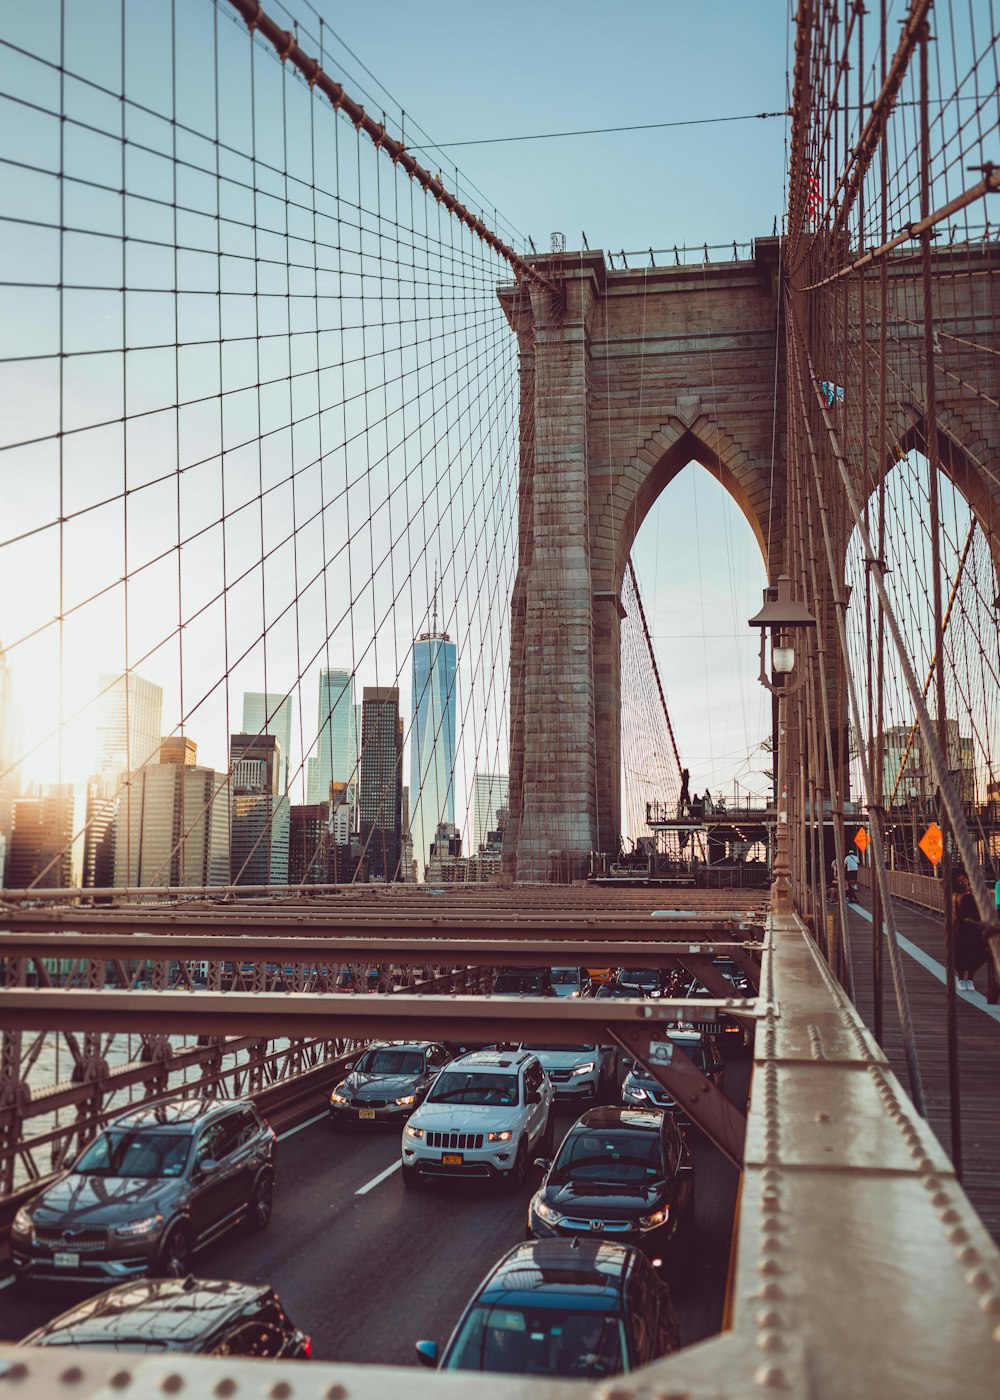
(979, 1047)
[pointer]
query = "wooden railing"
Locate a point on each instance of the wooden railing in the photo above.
(923, 890)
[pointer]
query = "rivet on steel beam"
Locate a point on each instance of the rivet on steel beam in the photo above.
(771, 1291)
(772, 1376)
(949, 1216)
(771, 1224)
(280, 1390)
(933, 1183)
(978, 1278)
(940, 1199)
(770, 1245)
(13, 1370)
(172, 1383)
(336, 1392)
(120, 1380)
(71, 1375)
(968, 1255)
(770, 1341)
(990, 1302)
(959, 1235)
(769, 1266)
(770, 1317)
(226, 1386)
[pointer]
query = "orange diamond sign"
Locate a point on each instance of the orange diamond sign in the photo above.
(861, 839)
(932, 843)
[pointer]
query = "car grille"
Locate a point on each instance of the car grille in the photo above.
(468, 1142)
(604, 1227)
(370, 1103)
(84, 1240)
(560, 1076)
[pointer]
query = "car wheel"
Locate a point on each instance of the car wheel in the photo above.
(261, 1201)
(175, 1255)
(412, 1179)
(516, 1175)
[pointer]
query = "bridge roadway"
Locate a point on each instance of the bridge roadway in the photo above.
(367, 1267)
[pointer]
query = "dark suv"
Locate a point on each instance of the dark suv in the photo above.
(209, 1317)
(158, 1183)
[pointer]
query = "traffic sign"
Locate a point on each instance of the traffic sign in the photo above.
(932, 843)
(862, 840)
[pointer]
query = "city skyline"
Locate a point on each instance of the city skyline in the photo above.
(434, 705)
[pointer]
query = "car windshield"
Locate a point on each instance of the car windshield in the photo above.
(561, 1049)
(565, 976)
(519, 982)
(694, 1050)
(631, 1158)
(391, 1062)
(647, 976)
(473, 1086)
(132, 1152)
(617, 989)
(538, 1341)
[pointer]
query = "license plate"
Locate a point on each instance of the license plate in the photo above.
(366, 1113)
(65, 1259)
(451, 1159)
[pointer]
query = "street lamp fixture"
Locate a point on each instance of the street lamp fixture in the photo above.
(782, 616)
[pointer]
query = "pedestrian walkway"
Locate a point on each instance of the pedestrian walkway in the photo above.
(922, 942)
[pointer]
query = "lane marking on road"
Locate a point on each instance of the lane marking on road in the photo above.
(6, 1282)
(370, 1185)
(299, 1126)
(925, 960)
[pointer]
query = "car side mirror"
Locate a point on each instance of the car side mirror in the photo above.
(427, 1353)
(209, 1166)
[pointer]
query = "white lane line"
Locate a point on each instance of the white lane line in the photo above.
(925, 960)
(6, 1282)
(299, 1126)
(370, 1185)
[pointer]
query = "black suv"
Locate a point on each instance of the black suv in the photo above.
(206, 1316)
(562, 1308)
(524, 982)
(621, 1174)
(158, 1183)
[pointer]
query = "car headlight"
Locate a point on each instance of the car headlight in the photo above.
(337, 1097)
(409, 1098)
(504, 1136)
(546, 1212)
(22, 1223)
(145, 1226)
(634, 1092)
(584, 1069)
(413, 1132)
(658, 1217)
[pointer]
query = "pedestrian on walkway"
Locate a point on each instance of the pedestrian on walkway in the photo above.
(970, 946)
(851, 872)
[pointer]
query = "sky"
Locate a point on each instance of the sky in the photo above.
(461, 72)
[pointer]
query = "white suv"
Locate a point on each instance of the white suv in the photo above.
(486, 1115)
(577, 1071)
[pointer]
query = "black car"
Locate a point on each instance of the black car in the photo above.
(619, 990)
(621, 1174)
(524, 982)
(581, 1308)
(654, 981)
(641, 1090)
(388, 1082)
(206, 1316)
(158, 1183)
(732, 1035)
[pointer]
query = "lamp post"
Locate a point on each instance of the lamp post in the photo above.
(782, 616)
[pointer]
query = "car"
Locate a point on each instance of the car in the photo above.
(599, 975)
(654, 981)
(485, 1116)
(556, 1307)
(735, 975)
(732, 1035)
(618, 990)
(640, 1089)
(523, 982)
(569, 981)
(577, 1071)
(387, 1082)
(622, 1174)
(158, 1183)
(210, 1317)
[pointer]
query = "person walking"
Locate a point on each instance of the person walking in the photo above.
(851, 874)
(970, 946)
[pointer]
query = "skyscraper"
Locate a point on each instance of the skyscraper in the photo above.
(489, 796)
(380, 797)
(432, 739)
(178, 832)
(337, 753)
(9, 745)
(269, 713)
(41, 841)
(258, 811)
(129, 717)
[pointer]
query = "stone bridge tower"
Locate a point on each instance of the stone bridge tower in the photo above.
(626, 377)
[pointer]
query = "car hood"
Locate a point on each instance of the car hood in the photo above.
(380, 1086)
(566, 1059)
(80, 1200)
(611, 1200)
(464, 1118)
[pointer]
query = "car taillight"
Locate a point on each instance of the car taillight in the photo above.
(307, 1347)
